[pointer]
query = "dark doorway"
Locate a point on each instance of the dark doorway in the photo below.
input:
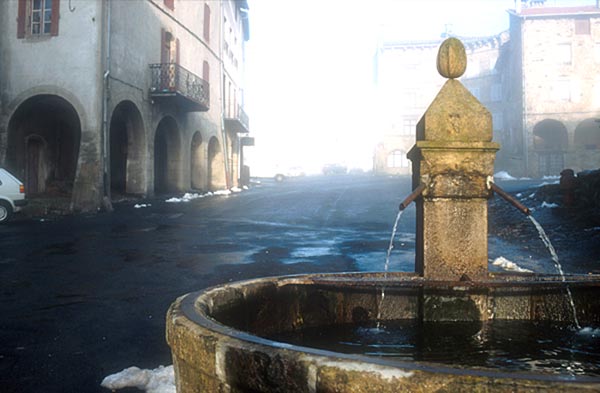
(127, 151)
(43, 145)
(167, 157)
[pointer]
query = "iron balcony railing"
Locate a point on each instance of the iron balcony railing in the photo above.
(238, 115)
(172, 80)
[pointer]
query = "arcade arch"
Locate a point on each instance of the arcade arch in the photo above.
(127, 150)
(216, 165)
(550, 142)
(197, 159)
(167, 157)
(44, 135)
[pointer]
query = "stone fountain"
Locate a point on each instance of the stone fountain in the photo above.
(219, 337)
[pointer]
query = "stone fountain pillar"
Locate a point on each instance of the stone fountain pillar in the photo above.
(453, 156)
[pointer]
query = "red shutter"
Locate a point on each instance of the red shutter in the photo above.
(206, 22)
(21, 16)
(55, 17)
(170, 4)
(205, 71)
(163, 46)
(177, 51)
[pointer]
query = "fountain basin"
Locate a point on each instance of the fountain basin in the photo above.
(217, 336)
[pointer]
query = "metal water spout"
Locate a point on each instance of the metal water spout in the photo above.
(453, 156)
(507, 197)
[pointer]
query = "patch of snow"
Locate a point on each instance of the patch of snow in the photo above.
(548, 183)
(548, 205)
(503, 175)
(188, 196)
(519, 195)
(550, 177)
(592, 229)
(588, 331)
(159, 380)
(531, 195)
(509, 265)
(141, 205)
(245, 187)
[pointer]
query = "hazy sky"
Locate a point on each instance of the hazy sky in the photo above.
(309, 71)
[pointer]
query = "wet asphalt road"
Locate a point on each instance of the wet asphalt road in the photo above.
(85, 296)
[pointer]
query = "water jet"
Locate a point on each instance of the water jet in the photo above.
(232, 338)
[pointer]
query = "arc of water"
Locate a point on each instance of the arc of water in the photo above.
(550, 248)
(387, 265)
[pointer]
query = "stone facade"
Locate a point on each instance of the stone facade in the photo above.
(146, 99)
(537, 79)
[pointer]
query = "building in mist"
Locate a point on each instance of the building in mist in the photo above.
(539, 81)
(107, 98)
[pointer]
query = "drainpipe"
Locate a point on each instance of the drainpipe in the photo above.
(221, 89)
(105, 96)
(524, 97)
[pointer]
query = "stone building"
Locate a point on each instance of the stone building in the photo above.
(407, 83)
(538, 79)
(553, 89)
(103, 98)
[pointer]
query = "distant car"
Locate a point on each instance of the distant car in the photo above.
(12, 195)
(335, 169)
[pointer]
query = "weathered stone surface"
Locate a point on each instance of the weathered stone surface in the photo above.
(455, 239)
(455, 115)
(452, 58)
(210, 357)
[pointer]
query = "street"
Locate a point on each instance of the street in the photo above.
(85, 296)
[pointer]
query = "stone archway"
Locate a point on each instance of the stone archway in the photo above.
(167, 157)
(44, 136)
(587, 135)
(197, 162)
(550, 142)
(127, 150)
(216, 166)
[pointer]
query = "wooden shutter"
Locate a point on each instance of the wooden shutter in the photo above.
(177, 51)
(55, 17)
(21, 16)
(206, 22)
(164, 56)
(205, 71)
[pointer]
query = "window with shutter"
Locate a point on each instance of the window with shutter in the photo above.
(206, 22)
(205, 71)
(37, 18)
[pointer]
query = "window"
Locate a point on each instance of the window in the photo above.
(206, 22)
(409, 127)
(206, 71)
(397, 159)
(170, 4)
(582, 26)
(37, 18)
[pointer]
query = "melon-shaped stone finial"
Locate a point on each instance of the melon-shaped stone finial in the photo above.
(452, 58)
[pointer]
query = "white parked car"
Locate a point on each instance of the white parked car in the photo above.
(12, 195)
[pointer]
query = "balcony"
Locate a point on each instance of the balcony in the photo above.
(173, 83)
(237, 120)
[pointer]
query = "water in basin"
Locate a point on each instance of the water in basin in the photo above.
(527, 346)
